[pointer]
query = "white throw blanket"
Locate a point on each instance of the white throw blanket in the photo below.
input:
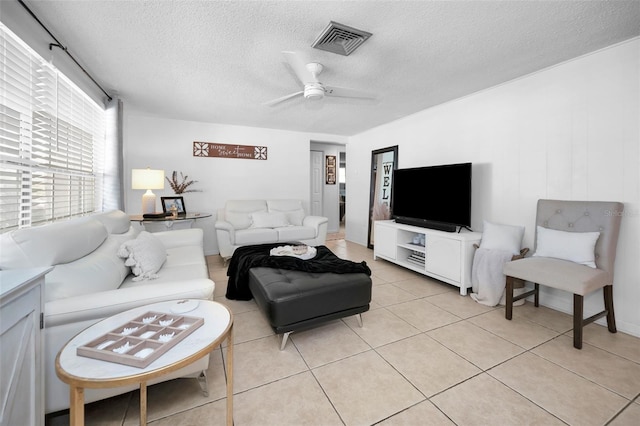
(487, 278)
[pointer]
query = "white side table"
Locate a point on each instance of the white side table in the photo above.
(82, 372)
(22, 344)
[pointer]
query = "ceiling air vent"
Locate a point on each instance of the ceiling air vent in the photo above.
(340, 39)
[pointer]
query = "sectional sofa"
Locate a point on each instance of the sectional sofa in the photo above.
(104, 265)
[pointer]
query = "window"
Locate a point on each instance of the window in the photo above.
(52, 139)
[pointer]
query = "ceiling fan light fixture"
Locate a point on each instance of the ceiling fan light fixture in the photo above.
(313, 92)
(314, 68)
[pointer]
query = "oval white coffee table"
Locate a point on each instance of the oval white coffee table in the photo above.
(81, 372)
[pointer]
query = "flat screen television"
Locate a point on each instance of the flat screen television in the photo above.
(436, 197)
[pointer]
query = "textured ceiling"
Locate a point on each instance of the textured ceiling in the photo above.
(220, 61)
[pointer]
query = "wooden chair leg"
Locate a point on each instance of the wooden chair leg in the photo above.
(578, 306)
(608, 305)
(508, 298)
(536, 296)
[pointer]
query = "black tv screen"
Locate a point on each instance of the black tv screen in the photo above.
(437, 197)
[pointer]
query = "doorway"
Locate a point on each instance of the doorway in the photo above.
(317, 174)
(325, 166)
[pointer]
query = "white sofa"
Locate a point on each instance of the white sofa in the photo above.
(90, 282)
(247, 222)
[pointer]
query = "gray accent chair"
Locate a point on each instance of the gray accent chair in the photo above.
(572, 216)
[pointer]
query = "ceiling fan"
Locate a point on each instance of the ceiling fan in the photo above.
(312, 88)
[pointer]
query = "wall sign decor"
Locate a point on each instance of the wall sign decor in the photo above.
(211, 149)
(330, 166)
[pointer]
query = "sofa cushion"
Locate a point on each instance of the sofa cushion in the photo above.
(99, 271)
(72, 310)
(185, 256)
(52, 244)
(256, 236)
(238, 212)
(268, 220)
(145, 255)
(182, 264)
(116, 221)
(184, 238)
(292, 208)
(295, 233)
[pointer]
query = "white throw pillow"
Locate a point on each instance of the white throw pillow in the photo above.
(292, 208)
(578, 247)
(496, 236)
(294, 217)
(145, 255)
(269, 220)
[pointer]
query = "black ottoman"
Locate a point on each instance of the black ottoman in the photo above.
(297, 300)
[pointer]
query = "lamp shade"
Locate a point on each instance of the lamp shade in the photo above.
(147, 179)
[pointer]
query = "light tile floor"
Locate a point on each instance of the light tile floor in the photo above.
(424, 356)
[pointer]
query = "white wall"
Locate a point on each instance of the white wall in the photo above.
(568, 132)
(167, 144)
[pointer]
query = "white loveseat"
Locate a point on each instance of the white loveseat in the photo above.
(90, 282)
(247, 222)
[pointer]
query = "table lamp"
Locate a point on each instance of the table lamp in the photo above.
(147, 179)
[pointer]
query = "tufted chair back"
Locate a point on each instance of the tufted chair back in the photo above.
(576, 277)
(585, 216)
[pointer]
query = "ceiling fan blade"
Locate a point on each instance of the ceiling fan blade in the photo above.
(342, 92)
(283, 98)
(298, 64)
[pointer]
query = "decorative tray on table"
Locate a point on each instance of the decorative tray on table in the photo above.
(142, 340)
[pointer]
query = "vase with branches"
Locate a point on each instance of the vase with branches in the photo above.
(180, 186)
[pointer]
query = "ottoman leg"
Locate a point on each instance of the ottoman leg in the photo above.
(285, 336)
(359, 318)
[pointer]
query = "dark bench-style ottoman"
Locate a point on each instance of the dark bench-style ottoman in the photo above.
(297, 294)
(298, 300)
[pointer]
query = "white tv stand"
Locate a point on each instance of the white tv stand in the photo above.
(446, 256)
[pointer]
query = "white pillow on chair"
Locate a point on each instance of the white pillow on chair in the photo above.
(578, 247)
(502, 237)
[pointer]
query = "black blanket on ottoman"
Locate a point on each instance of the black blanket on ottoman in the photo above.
(247, 257)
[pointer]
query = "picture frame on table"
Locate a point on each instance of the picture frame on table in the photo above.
(178, 202)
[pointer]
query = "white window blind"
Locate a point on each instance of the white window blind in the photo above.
(52, 139)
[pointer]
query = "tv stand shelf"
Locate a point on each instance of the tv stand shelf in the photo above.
(446, 256)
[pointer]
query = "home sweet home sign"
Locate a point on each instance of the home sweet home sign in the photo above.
(212, 149)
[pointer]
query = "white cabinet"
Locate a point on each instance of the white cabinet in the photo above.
(21, 340)
(446, 256)
(385, 241)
